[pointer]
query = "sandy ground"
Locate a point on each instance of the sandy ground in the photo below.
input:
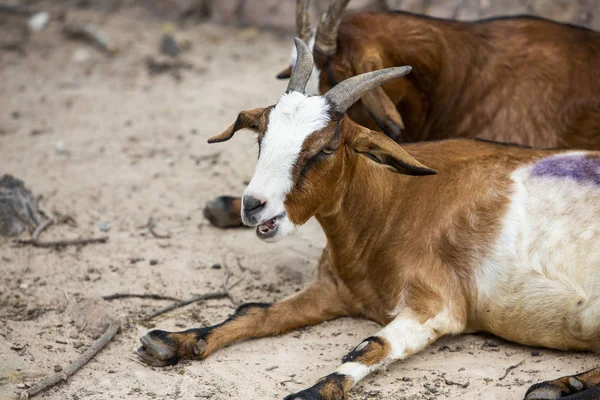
(106, 143)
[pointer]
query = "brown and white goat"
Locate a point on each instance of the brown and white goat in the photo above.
(435, 239)
(523, 80)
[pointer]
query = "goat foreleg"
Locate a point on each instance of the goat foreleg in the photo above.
(317, 303)
(404, 336)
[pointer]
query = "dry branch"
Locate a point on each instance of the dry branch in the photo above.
(150, 225)
(510, 369)
(63, 243)
(94, 349)
(207, 296)
(91, 33)
(140, 296)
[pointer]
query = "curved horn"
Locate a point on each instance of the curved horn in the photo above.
(303, 68)
(326, 42)
(302, 20)
(347, 92)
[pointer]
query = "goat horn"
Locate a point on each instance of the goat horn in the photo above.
(302, 69)
(347, 92)
(326, 42)
(303, 20)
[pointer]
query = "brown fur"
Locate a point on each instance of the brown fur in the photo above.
(523, 80)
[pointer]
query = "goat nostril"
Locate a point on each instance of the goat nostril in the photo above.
(252, 203)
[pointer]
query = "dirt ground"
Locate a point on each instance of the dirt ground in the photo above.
(110, 145)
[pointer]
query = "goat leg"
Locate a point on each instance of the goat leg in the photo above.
(404, 336)
(381, 108)
(317, 303)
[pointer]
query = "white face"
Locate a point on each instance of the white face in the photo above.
(312, 87)
(291, 121)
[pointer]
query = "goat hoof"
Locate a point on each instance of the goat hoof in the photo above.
(224, 212)
(158, 349)
(555, 389)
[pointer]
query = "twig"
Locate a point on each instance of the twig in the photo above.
(451, 383)
(510, 369)
(150, 225)
(63, 243)
(141, 296)
(91, 33)
(207, 296)
(225, 280)
(94, 349)
(35, 236)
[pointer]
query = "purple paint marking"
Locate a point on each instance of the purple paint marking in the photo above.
(581, 168)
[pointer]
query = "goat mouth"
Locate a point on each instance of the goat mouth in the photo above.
(269, 228)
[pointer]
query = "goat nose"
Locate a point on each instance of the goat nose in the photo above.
(251, 203)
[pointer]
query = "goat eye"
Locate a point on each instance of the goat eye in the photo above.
(327, 150)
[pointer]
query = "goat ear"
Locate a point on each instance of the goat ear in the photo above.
(245, 120)
(383, 150)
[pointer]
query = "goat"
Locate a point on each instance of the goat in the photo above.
(434, 239)
(523, 80)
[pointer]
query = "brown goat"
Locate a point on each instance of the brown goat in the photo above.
(523, 80)
(441, 238)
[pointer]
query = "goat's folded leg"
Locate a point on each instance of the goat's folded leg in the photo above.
(224, 211)
(583, 386)
(317, 303)
(403, 337)
(381, 108)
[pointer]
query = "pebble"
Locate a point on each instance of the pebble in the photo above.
(58, 368)
(104, 226)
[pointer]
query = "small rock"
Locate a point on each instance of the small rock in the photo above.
(80, 55)
(22, 386)
(58, 368)
(216, 266)
(23, 286)
(17, 346)
(104, 226)
(153, 262)
(60, 147)
(48, 346)
(536, 353)
(77, 344)
(169, 46)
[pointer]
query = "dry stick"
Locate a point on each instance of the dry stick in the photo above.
(93, 34)
(141, 296)
(40, 228)
(510, 369)
(150, 225)
(94, 349)
(63, 243)
(207, 296)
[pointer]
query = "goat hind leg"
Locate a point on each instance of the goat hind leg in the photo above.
(317, 303)
(403, 337)
(583, 386)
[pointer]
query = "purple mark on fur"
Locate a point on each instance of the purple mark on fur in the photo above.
(581, 168)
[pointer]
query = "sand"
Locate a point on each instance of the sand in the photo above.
(111, 146)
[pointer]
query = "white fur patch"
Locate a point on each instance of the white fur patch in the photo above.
(541, 285)
(312, 87)
(291, 121)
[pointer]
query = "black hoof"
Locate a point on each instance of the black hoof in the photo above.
(158, 349)
(224, 212)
